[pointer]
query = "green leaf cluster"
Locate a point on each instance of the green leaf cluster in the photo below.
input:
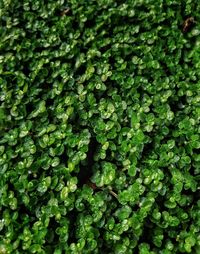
(99, 127)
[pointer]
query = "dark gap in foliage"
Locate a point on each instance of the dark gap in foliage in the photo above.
(63, 158)
(111, 59)
(51, 236)
(25, 69)
(26, 215)
(24, 210)
(86, 170)
(177, 105)
(75, 24)
(29, 107)
(118, 19)
(80, 70)
(196, 196)
(188, 193)
(72, 216)
(100, 95)
(91, 22)
(160, 200)
(195, 151)
(104, 49)
(84, 50)
(63, 11)
(105, 248)
(148, 148)
(146, 236)
(109, 155)
(49, 102)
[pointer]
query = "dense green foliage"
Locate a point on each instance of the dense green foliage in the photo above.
(99, 127)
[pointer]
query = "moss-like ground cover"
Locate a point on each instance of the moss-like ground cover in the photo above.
(99, 126)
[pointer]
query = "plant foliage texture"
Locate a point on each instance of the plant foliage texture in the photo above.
(99, 126)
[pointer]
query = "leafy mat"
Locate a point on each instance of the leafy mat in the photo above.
(99, 126)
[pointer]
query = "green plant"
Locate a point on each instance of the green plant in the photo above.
(99, 127)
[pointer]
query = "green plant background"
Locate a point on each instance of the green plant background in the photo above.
(99, 127)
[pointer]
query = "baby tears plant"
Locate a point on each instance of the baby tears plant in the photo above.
(99, 127)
